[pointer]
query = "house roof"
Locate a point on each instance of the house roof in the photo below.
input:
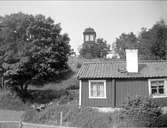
(117, 69)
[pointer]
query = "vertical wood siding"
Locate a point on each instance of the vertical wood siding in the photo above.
(108, 102)
(130, 88)
(124, 89)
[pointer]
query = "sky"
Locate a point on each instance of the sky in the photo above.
(108, 18)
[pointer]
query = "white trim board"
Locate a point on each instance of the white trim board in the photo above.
(80, 91)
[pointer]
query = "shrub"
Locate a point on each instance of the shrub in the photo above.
(7, 101)
(73, 87)
(161, 121)
(51, 114)
(140, 111)
(30, 116)
(79, 65)
(90, 118)
(73, 115)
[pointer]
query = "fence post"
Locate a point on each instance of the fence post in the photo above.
(20, 124)
(61, 118)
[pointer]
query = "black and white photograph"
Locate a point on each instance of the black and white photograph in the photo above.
(83, 64)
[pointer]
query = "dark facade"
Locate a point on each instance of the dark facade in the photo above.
(118, 91)
(121, 85)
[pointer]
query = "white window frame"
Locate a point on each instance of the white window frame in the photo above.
(93, 97)
(165, 88)
(80, 92)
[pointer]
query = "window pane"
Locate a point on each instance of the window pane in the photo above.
(154, 83)
(93, 90)
(157, 87)
(101, 90)
(161, 83)
(154, 91)
(97, 89)
(87, 37)
(161, 90)
(91, 38)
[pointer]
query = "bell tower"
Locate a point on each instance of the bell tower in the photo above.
(89, 35)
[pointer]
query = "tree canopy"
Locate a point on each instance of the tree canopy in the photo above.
(151, 43)
(33, 49)
(98, 49)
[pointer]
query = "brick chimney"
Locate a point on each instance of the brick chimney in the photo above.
(132, 60)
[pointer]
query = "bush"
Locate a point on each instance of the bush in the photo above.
(30, 116)
(72, 115)
(90, 118)
(51, 114)
(141, 112)
(7, 101)
(161, 121)
(79, 65)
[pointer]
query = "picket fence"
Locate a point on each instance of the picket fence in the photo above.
(20, 124)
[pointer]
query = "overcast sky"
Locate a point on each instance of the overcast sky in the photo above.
(108, 18)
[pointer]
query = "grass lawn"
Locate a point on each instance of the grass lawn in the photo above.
(8, 115)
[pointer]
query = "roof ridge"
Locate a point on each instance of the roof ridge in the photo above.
(123, 61)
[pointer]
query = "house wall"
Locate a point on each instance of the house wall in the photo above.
(134, 87)
(108, 102)
(130, 88)
(118, 91)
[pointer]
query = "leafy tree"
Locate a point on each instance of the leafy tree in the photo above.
(98, 49)
(40, 51)
(123, 42)
(151, 43)
(159, 47)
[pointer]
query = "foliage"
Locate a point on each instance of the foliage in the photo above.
(98, 49)
(79, 65)
(90, 118)
(7, 101)
(160, 121)
(159, 48)
(123, 42)
(51, 114)
(140, 111)
(36, 50)
(151, 43)
(83, 117)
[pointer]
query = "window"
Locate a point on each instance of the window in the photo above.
(91, 38)
(157, 88)
(86, 37)
(97, 89)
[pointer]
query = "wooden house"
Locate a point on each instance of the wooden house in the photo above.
(110, 83)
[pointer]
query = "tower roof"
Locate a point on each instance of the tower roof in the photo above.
(89, 30)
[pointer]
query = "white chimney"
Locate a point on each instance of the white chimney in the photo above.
(132, 60)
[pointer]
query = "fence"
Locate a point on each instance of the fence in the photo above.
(20, 124)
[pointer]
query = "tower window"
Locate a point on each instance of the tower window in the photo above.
(86, 37)
(91, 38)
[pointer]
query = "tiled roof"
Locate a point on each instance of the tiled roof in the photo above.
(117, 69)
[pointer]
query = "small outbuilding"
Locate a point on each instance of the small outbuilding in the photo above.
(111, 83)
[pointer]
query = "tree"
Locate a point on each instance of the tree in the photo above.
(151, 43)
(159, 47)
(13, 38)
(123, 42)
(41, 52)
(98, 49)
